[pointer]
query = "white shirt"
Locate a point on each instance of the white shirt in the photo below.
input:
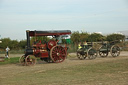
(7, 49)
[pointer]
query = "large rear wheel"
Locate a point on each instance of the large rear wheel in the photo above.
(58, 54)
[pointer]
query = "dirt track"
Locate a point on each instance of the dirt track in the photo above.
(6, 70)
(14, 69)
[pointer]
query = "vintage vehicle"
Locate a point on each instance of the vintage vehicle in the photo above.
(49, 51)
(109, 47)
(86, 51)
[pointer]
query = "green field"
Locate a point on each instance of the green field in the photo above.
(13, 60)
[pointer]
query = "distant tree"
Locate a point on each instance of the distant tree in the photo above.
(114, 37)
(75, 37)
(83, 36)
(22, 44)
(95, 37)
(14, 44)
(5, 42)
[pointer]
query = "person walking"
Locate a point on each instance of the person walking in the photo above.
(7, 52)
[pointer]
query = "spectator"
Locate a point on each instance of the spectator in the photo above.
(7, 52)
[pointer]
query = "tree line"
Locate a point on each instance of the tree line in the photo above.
(76, 37)
(12, 44)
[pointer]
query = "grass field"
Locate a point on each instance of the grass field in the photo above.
(13, 60)
(101, 71)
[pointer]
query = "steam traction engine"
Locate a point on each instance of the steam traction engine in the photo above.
(47, 51)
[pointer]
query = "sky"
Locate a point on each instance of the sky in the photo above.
(106, 16)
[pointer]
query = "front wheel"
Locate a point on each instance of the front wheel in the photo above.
(30, 60)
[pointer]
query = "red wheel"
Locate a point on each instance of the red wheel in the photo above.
(30, 60)
(51, 44)
(22, 60)
(58, 54)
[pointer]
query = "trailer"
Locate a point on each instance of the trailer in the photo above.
(109, 47)
(86, 51)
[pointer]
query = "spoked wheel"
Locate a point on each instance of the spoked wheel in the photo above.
(103, 53)
(58, 54)
(115, 51)
(92, 54)
(22, 60)
(81, 57)
(30, 60)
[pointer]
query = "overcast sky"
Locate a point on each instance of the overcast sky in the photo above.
(106, 16)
